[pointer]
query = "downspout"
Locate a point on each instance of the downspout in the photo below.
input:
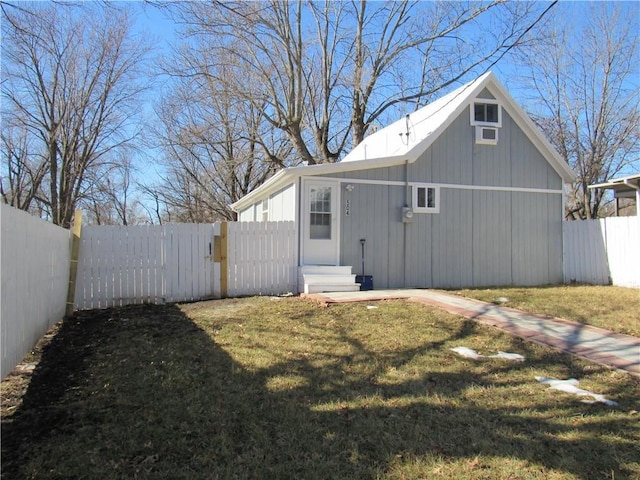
(563, 220)
(299, 221)
(407, 200)
(405, 246)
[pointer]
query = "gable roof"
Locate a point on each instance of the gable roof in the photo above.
(390, 146)
(424, 125)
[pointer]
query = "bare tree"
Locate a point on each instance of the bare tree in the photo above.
(23, 170)
(216, 148)
(72, 81)
(113, 200)
(322, 71)
(585, 80)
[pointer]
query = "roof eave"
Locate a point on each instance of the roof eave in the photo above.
(288, 175)
(631, 182)
(534, 133)
(278, 180)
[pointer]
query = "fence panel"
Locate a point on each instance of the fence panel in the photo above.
(623, 249)
(34, 261)
(262, 258)
(603, 251)
(145, 264)
(174, 262)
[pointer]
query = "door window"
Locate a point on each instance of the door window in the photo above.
(320, 213)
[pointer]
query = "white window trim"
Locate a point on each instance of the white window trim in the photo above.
(264, 210)
(486, 141)
(414, 198)
(485, 124)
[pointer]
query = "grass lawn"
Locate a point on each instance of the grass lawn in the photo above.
(286, 389)
(614, 308)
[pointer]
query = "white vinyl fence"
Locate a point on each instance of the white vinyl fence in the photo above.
(603, 251)
(34, 261)
(145, 264)
(175, 262)
(262, 258)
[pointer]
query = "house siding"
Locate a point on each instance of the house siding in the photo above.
(247, 215)
(281, 205)
(480, 237)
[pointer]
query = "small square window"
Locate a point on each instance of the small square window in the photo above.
(425, 199)
(486, 113)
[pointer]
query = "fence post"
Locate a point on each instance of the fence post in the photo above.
(224, 267)
(73, 264)
(220, 254)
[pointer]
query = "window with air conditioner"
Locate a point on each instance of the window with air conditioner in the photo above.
(486, 135)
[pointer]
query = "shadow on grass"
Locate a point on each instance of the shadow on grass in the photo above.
(143, 392)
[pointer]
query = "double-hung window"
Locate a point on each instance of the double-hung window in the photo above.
(320, 213)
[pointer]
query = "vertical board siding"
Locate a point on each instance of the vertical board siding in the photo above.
(35, 258)
(282, 205)
(480, 237)
(603, 251)
(262, 258)
(492, 238)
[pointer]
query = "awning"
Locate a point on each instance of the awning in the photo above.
(623, 186)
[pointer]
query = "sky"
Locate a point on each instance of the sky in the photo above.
(157, 23)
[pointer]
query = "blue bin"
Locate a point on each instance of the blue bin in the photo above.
(365, 281)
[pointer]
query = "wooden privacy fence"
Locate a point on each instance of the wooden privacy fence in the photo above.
(603, 251)
(184, 262)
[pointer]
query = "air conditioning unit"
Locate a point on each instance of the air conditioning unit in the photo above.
(486, 135)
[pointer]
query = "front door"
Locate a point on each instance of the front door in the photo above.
(320, 222)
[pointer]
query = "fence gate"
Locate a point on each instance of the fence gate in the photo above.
(146, 264)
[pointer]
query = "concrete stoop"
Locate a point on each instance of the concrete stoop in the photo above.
(322, 278)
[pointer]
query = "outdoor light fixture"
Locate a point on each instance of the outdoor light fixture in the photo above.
(350, 187)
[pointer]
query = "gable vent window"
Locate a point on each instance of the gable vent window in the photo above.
(426, 199)
(487, 113)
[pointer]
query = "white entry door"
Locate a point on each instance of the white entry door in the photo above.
(320, 222)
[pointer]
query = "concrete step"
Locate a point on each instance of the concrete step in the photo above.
(332, 279)
(326, 278)
(331, 288)
(325, 270)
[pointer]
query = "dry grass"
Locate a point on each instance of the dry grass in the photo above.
(262, 388)
(613, 308)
